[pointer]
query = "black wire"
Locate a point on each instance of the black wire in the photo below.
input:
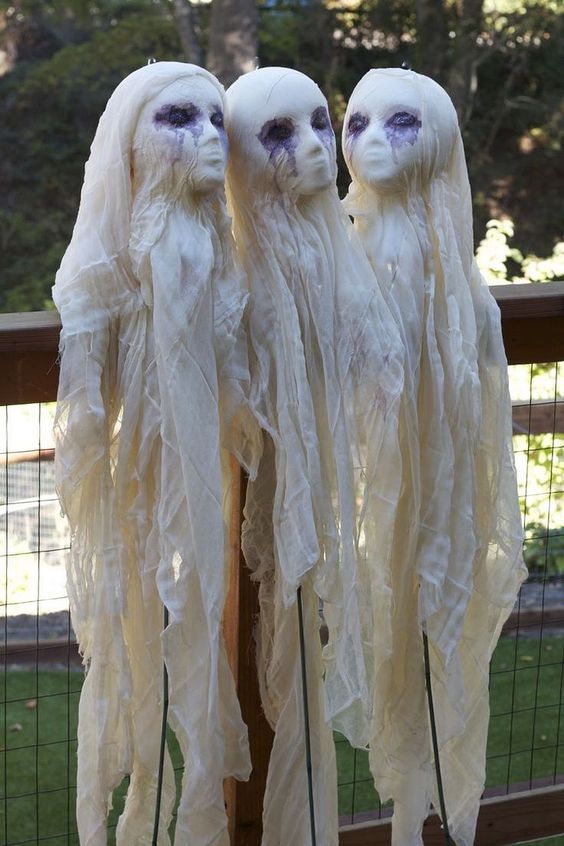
(306, 719)
(163, 745)
(442, 803)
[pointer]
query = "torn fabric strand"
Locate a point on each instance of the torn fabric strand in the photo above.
(456, 566)
(326, 366)
(153, 378)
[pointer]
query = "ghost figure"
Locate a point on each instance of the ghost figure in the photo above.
(326, 366)
(456, 564)
(153, 372)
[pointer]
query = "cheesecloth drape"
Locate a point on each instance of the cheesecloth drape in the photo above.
(153, 365)
(456, 566)
(326, 368)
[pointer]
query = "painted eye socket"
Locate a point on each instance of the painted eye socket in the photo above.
(357, 123)
(277, 131)
(403, 119)
(216, 120)
(178, 116)
(181, 117)
(320, 119)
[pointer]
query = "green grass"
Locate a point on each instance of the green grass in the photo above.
(527, 679)
(39, 757)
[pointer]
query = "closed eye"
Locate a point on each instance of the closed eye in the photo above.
(276, 131)
(357, 123)
(320, 119)
(403, 119)
(178, 116)
(217, 119)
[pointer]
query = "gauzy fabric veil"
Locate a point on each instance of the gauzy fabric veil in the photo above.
(153, 376)
(326, 364)
(456, 562)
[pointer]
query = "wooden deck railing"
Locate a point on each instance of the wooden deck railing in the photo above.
(533, 330)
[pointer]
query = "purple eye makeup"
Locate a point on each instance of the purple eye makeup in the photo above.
(216, 119)
(402, 128)
(321, 124)
(357, 124)
(320, 119)
(188, 116)
(275, 132)
(279, 136)
(178, 117)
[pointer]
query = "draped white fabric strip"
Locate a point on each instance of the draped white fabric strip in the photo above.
(327, 376)
(456, 565)
(153, 376)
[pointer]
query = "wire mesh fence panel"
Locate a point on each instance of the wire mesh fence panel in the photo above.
(526, 732)
(42, 673)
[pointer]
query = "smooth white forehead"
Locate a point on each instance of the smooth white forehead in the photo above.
(270, 93)
(192, 89)
(381, 93)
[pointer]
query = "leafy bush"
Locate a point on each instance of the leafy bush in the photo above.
(544, 550)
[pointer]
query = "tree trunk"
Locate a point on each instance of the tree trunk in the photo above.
(184, 17)
(432, 38)
(233, 39)
(462, 78)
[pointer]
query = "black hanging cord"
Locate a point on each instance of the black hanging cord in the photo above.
(306, 719)
(163, 746)
(442, 802)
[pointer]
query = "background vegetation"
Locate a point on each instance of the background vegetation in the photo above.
(501, 60)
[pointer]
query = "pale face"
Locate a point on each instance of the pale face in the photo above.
(383, 134)
(299, 142)
(283, 131)
(182, 129)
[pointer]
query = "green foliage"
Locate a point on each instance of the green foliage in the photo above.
(544, 550)
(53, 111)
(494, 253)
(78, 51)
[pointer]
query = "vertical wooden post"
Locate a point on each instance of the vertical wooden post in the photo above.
(244, 800)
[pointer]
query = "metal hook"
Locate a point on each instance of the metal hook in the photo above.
(405, 65)
(151, 61)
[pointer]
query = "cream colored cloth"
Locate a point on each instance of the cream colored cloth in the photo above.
(153, 371)
(326, 366)
(456, 565)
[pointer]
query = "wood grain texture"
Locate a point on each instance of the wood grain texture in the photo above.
(29, 351)
(533, 300)
(231, 622)
(503, 820)
(245, 799)
(30, 331)
(532, 324)
(537, 418)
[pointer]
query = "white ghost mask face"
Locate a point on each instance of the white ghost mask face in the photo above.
(181, 134)
(280, 132)
(384, 134)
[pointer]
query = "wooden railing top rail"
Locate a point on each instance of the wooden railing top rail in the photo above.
(532, 318)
